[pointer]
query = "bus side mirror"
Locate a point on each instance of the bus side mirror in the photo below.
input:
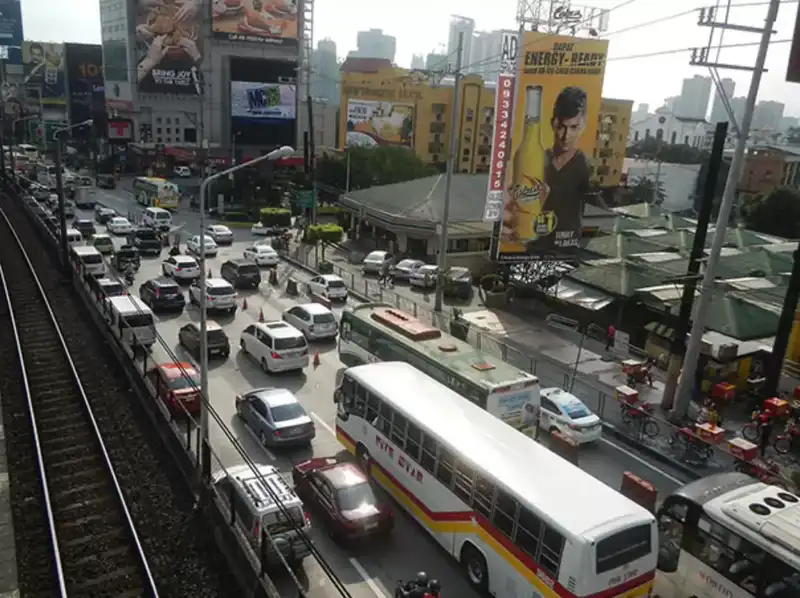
(337, 396)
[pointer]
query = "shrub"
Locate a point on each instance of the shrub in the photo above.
(492, 283)
(329, 211)
(236, 217)
(275, 217)
(326, 233)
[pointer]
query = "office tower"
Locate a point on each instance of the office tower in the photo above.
(485, 57)
(671, 104)
(467, 27)
(737, 105)
(375, 44)
(325, 71)
(695, 94)
(768, 115)
(718, 111)
(418, 61)
(436, 61)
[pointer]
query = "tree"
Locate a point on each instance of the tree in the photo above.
(793, 135)
(776, 214)
(371, 167)
(674, 153)
(646, 191)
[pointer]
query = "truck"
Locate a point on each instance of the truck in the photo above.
(85, 197)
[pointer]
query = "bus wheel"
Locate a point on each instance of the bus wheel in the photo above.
(364, 460)
(475, 567)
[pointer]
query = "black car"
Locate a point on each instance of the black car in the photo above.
(146, 240)
(85, 227)
(162, 293)
(458, 283)
(106, 181)
(102, 214)
(241, 273)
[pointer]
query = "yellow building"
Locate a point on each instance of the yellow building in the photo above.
(382, 104)
(614, 120)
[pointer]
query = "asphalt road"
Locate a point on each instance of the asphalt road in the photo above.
(371, 571)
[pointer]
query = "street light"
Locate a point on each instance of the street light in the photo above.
(62, 217)
(205, 453)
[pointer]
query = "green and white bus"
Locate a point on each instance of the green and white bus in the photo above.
(156, 192)
(373, 332)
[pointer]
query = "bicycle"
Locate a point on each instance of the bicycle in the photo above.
(769, 473)
(783, 442)
(752, 430)
(641, 416)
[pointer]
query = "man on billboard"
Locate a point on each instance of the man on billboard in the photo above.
(548, 214)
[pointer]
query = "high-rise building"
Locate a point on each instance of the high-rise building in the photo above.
(718, 111)
(695, 94)
(671, 104)
(484, 59)
(418, 61)
(737, 105)
(325, 72)
(374, 44)
(767, 115)
(459, 25)
(436, 61)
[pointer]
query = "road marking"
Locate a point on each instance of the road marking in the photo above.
(644, 462)
(376, 587)
(324, 424)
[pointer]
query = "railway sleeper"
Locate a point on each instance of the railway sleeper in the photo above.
(89, 487)
(88, 465)
(72, 452)
(123, 580)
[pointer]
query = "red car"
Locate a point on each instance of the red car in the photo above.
(176, 384)
(341, 493)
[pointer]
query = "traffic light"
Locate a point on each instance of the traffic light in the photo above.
(40, 132)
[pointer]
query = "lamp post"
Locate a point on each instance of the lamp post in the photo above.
(205, 453)
(62, 217)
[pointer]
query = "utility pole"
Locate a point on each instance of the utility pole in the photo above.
(312, 173)
(451, 164)
(692, 276)
(700, 58)
(785, 324)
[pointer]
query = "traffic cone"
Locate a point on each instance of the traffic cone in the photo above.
(316, 359)
(261, 315)
(209, 274)
(244, 303)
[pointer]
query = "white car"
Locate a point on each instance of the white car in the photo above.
(376, 261)
(221, 295)
(183, 171)
(329, 286)
(119, 226)
(424, 277)
(275, 346)
(315, 321)
(263, 255)
(259, 230)
(181, 267)
(220, 233)
(565, 413)
(405, 268)
(193, 245)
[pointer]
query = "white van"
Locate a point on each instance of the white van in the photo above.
(157, 218)
(129, 317)
(74, 237)
(87, 259)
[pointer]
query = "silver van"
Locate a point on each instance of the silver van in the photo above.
(269, 505)
(87, 260)
(157, 218)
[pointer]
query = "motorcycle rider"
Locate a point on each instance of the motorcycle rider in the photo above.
(416, 588)
(130, 273)
(433, 589)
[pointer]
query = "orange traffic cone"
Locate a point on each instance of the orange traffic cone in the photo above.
(244, 303)
(261, 315)
(316, 358)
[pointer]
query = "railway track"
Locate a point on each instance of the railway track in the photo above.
(84, 481)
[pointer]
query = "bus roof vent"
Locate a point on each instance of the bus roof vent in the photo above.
(771, 512)
(406, 324)
(448, 348)
(483, 366)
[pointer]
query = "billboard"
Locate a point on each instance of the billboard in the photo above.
(372, 123)
(272, 22)
(169, 47)
(43, 70)
(84, 68)
(11, 29)
(559, 89)
(263, 102)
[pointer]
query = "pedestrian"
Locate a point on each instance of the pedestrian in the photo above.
(384, 275)
(610, 336)
(766, 434)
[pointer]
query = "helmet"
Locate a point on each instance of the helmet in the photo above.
(422, 579)
(434, 585)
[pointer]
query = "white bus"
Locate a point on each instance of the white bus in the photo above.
(520, 520)
(372, 332)
(729, 535)
(156, 192)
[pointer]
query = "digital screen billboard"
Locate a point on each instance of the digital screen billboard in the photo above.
(263, 102)
(85, 85)
(560, 83)
(11, 29)
(273, 22)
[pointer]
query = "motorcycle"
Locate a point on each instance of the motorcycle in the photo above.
(784, 442)
(129, 276)
(766, 471)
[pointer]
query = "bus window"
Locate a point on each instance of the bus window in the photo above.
(484, 496)
(529, 533)
(505, 513)
(444, 472)
(399, 424)
(413, 439)
(429, 448)
(385, 419)
(780, 580)
(464, 480)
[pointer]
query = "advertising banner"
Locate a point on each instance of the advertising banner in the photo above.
(85, 85)
(372, 123)
(263, 102)
(559, 89)
(257, 21)
(43, 69)
(503, 120)
(11, 29)
(169, 46)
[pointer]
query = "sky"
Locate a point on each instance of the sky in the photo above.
(421, 26)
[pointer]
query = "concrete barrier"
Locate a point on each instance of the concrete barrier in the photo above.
(564, 447)
(639, 491)
(321, 300)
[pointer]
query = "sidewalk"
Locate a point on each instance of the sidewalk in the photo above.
(554, 356)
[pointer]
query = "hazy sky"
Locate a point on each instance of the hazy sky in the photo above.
(420, 26)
